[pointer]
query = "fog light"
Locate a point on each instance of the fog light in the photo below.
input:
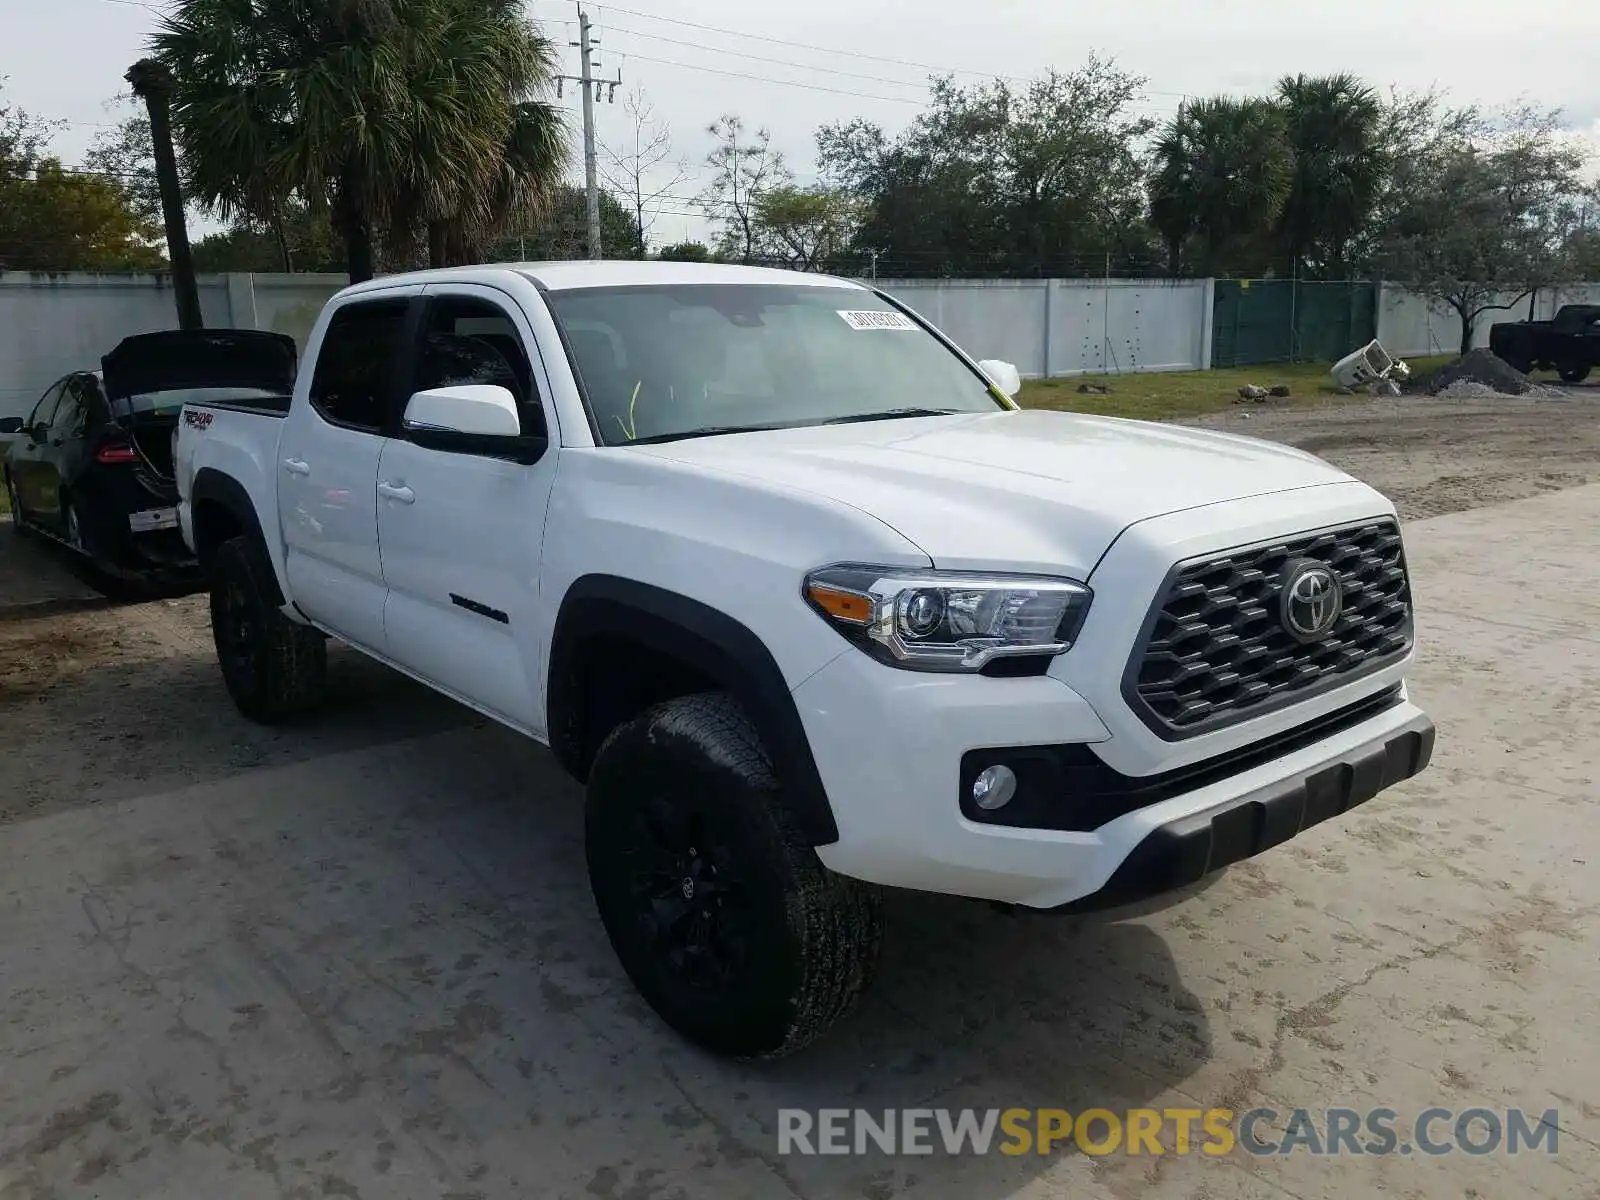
(994, 787)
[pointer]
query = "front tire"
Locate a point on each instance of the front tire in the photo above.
(720, 912)
(18, 524)
(273, 668)
(1573, 372)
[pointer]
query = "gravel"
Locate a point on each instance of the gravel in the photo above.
(1476, 367)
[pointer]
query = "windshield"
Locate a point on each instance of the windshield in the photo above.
(167, 403)
(660, 362)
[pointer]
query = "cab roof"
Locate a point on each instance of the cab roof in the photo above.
(565, 276)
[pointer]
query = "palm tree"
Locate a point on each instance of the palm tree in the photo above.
(1334, 127)
(1221, 174)
(478, 65)
(395, 113)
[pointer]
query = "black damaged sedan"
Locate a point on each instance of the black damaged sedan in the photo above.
(91, 465)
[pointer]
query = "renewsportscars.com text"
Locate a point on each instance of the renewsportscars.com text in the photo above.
(1162, 1131)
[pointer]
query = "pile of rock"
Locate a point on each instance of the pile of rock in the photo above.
(1476, 373)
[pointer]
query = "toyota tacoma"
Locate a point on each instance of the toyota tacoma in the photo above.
(809, 604)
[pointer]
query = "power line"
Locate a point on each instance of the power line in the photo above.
(757, 37)
(780, 62)
(813, 87)
(879, 58)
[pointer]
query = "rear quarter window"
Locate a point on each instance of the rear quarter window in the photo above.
(355, 368)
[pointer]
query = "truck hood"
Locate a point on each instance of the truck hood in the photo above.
(1032, 491)
(199, 358)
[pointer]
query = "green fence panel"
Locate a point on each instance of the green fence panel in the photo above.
(1279, 320)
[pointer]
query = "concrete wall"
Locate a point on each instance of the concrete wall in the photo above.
(1071, 326)
(1408, 325)
(53, 324)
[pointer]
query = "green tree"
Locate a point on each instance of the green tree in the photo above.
(996, 178)
(805, 228)
(686, 252)
(123, 154)
(409, 119)
(305, 238)
(56, 219)
(561, 230)
(1334, 126)
(1485, 213)
(1223, 169)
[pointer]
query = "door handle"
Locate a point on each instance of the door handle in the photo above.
(297, 466)
(400, 492)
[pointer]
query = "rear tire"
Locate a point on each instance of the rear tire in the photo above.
(1573, 372)
(273, 668)
(721, 913)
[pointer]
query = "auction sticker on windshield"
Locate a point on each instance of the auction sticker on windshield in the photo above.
(877, 320)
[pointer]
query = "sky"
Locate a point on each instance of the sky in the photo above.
(794, 66)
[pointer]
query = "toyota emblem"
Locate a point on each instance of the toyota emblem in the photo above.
(1312, 600)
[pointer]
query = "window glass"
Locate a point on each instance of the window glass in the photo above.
(665, 361)
(45, 409)
(355, 365)
(467, 340)
(69, 415)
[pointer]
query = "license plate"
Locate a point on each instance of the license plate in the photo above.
(153, 518)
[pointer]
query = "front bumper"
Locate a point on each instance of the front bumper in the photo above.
(889, 746)
(1187, 849)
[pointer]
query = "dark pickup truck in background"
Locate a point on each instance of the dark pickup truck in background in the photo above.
(1570, 344)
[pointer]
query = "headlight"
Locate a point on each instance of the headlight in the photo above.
(948, 620)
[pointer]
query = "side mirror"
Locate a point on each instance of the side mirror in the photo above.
(473, 418)
(10, 425)
(1003, 375)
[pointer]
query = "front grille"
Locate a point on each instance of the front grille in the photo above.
(1215, 650)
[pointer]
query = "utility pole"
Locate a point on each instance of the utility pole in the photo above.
(586, 44)
(590, 170)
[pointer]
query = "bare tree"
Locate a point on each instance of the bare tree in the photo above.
(744, 168)
(633, 168)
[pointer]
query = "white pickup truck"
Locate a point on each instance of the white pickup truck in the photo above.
(810, 605)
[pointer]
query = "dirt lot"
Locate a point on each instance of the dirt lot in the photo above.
(1440, 456)
(358, 958)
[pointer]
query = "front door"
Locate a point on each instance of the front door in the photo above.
(461, 532)
(29, 464)
(328, 470)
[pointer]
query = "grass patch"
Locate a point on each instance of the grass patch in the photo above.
(1177, 394)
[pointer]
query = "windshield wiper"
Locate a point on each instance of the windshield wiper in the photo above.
(703, 431)
(890, 414)
(714, 430)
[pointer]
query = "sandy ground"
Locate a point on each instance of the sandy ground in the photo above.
(358, 958)
(1440, 456)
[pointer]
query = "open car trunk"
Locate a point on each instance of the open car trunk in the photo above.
(148, 379)
(184, 359)
(152, 438)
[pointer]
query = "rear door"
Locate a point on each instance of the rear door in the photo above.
(328, 467)
(461, 532)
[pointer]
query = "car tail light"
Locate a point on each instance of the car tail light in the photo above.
(116, 452)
